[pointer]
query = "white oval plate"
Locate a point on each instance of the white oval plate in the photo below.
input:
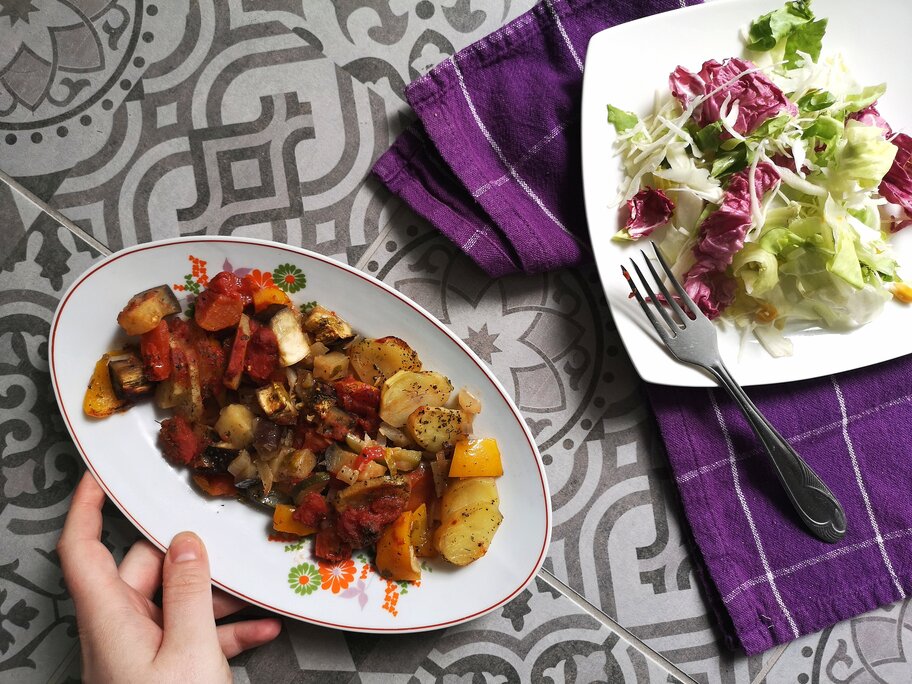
(122, 454)
(626, 64)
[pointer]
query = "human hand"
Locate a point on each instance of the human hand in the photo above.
(123, 634)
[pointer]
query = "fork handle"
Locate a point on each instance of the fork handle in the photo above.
(820, 511)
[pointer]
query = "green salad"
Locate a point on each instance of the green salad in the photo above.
(772, 184)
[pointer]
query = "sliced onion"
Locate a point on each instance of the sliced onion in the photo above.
(242, 467)
(347, 475)
(468, 402)
(440, 470)
(395, 435)
(266, 475)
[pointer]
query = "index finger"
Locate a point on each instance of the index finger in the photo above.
(83, 558)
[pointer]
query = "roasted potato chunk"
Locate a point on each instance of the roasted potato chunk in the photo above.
(470, 516)
(144, 310)
(236, 426)
(330, 367)
(327, 326)
(467, 537)
(408, 391)
(376, 360)
(434, 427)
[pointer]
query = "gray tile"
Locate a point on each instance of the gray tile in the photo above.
(39, 465)
(212, 85)
(870, 648)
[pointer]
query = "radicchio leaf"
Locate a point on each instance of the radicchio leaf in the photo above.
(896, 185)
(757, 96)
(722, 235)
(649, 209)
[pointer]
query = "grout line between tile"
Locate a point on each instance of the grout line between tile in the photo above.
(768, 665)
(66, 661)
(657, 658)
(54, 214)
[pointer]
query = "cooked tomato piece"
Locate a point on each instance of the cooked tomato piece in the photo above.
(231, 284)
(306, 437)
(217, 311)
(312, 510)
(262, 353)
(361, 526)
(155, 349)
(421, 481)
(329, 546)
(357, 397)
(210, 358)
(368, 454)
(180, 442)
(235, 368)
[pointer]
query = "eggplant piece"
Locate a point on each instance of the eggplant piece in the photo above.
(256, 495)
(363, 492)
(145, 310)
(327, 326)
(267, 439)
(128, 378)
(214, 459)
(277, 404)
(293, 345)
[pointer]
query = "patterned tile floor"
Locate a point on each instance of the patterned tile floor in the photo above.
(262, 119)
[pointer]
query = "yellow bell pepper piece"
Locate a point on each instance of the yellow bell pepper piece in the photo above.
(395, 554)
(476, 458)
(100, 400)
(282, 521)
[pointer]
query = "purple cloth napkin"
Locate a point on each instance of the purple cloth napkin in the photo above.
(494, 161)
(773, 579)
(494, 164)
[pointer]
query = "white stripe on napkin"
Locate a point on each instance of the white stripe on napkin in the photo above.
(503, 160)
(750, 518)
(864, 491)
(563, 32)
(810, 562)
(815, 432)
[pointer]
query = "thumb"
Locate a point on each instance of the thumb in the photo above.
(187, 617)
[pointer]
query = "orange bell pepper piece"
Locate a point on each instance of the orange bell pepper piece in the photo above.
(283, 521)
(395, 554)
(476, 458)
(263, 299)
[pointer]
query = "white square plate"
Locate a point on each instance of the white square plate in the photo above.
(626, 64)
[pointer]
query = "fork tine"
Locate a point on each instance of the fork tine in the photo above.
(668, 298)
(694, 309)
(673, 327)
(663, 332)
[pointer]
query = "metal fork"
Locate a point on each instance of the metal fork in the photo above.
(692, 339)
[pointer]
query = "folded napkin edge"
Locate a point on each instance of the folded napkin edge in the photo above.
(490, 48)
(391, 169)
(509, 207)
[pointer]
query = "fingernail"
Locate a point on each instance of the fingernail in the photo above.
(185, 547)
